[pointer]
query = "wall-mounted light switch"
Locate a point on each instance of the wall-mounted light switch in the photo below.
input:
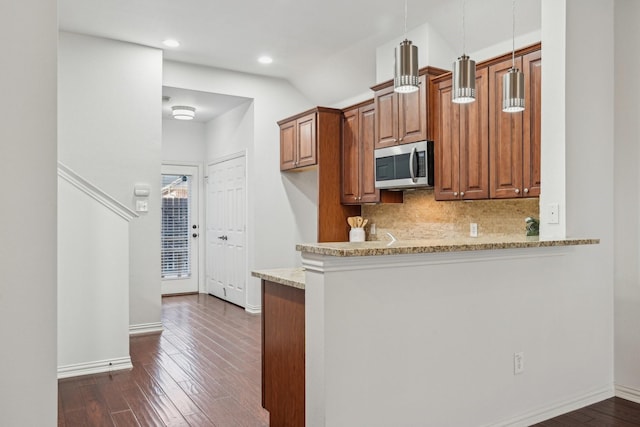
(473, 229)
(142, 205)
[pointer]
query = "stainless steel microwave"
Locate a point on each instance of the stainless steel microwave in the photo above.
(405, 166)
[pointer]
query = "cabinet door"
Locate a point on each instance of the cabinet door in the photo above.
(505, 136)
(386, 102)
(446, 143)
(306, 144)
(474, 142)
(412, 114)
(288, 145)
(532, 68)
(350, 157)
(368, 191)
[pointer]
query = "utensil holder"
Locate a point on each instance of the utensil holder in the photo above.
(356, 235)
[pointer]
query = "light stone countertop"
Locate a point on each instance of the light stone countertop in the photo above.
(404, 247)
(293, 277)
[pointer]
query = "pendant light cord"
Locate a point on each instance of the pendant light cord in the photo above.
(463, 34)
(405, 19)
(513, 38)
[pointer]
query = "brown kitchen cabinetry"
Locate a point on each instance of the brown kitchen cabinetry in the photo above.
(514, 165)
(298, 145)
(283, 354)
(401, 118)
(311, 140)
(461, 137)
(358, 162)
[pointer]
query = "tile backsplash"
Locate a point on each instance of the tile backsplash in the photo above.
(422, 217)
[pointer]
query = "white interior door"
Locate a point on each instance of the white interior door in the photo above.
(226, 234)
(180, 229)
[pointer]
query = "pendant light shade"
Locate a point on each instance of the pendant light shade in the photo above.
(464, 80)
(405, 76)
(464, 74)
(406, 68)
(513, 81)
(513, 91)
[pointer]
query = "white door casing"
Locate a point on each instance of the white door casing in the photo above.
(190, 283)
(226, 230)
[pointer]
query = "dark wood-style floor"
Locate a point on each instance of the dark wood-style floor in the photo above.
(204, 370)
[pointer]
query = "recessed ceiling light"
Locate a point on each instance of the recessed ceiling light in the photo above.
(265, 59)
(171, 43)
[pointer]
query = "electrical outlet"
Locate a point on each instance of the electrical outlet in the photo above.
(372, 229)
(518, 363)
(473, 229)
(553, 213)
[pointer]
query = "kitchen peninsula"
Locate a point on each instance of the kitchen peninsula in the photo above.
(395, 333)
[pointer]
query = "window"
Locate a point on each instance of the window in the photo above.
(175, 239)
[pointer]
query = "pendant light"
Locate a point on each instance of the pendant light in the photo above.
(513, 81)
(406, 77)
(464, 74)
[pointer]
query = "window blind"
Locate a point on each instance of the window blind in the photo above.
(176, 221)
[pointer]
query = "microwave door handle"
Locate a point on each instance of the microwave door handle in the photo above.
(412, 158)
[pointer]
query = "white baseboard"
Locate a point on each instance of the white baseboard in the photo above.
(559, 408)
(96, 367)
(253, 309)
(628, 393)
(145, 328)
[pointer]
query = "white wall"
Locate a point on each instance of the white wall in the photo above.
(93, 281)
(183, 141)
(28, 218)
(428, 340)
(110, 133)
(627, 196)
(273, 205)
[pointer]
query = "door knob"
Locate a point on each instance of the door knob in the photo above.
(194, 226)
(194, 235)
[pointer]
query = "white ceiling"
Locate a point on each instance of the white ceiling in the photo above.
(300, 35)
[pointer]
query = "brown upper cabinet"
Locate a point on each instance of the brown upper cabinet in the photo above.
(515, 137)
(480, 151)
(461, 137)
(298, 145)
(358, 138)
(401, 118)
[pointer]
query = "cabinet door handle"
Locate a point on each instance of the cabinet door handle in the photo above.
(517, 191)
(526, 190)
(455, 193)
(462, 194)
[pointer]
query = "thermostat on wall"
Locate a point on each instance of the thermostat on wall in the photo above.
(141, 190)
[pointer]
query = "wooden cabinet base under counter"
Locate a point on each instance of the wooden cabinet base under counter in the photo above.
(283, 354)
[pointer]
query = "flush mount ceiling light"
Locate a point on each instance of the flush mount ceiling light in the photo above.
(464, 74)
(264, 59)
(513, 81)
(181, 112)
(171, 43)
(406, 77)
